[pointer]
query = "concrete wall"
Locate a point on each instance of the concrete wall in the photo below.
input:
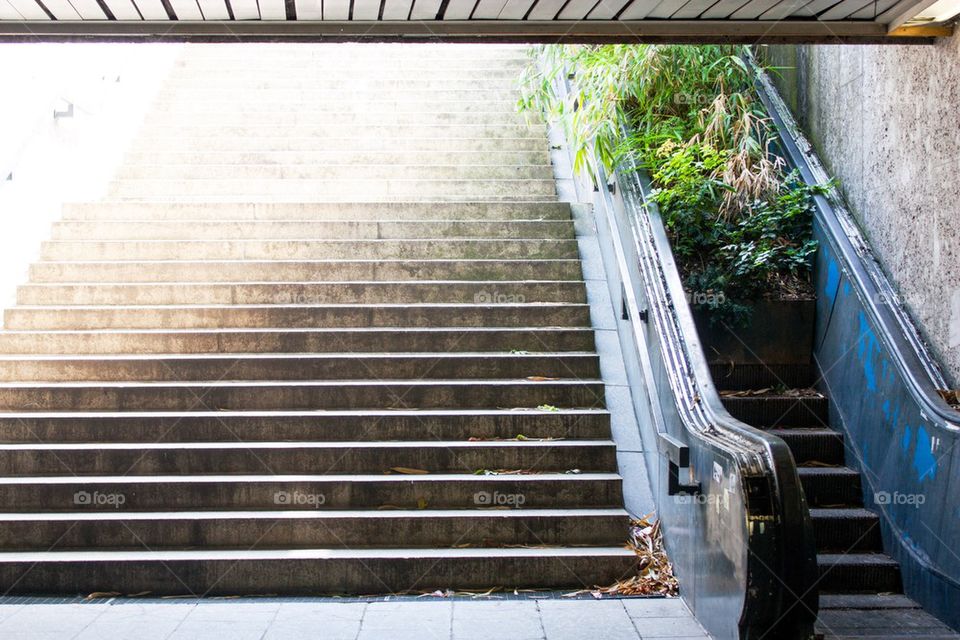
(886, 122)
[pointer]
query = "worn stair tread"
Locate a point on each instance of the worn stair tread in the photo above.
(303, 355)
(321, 479)
(341, 444)
(268, 384)
(314, 413)
(257, 330)
(319, 514)
(330, 305)
(308, 554)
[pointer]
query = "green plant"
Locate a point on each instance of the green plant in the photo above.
(740, 225)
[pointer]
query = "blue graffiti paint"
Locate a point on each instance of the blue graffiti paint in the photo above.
(924, 462)
(907, 437)
(867, 347)
(833, 280)
(846, 289)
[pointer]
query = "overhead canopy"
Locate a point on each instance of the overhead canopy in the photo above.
(748, 21)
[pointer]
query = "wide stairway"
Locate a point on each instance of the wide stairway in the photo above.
(327, 334)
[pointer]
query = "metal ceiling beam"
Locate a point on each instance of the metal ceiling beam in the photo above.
(528, 31)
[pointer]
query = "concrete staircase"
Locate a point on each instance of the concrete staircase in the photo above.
(327, 334)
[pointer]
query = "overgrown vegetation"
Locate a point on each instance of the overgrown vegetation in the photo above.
(739, 223)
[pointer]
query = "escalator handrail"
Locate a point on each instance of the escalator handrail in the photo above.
(899, 334)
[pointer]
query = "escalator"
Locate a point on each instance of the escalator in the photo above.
(802, 496)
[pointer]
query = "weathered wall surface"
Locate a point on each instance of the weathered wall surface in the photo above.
(886, 121)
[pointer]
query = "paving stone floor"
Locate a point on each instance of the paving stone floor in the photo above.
(325, 619)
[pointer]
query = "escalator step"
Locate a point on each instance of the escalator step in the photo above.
(779, 411)
(831, 486)
(846, 530)
(858, 573)
(758, 376)
(813, 445)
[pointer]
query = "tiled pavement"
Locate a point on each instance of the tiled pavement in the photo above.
(323, 619)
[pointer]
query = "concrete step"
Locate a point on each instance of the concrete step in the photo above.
(304, 366)
(183, 83)
(342, 71)
(310, 571)
(319, 426)
(344, 114)
(295, 159)
(287, 458)
(846, 530)
(359, 93)
(380, 105)
(298, 316)
(258, 130)
(244, 293)
(315, 211)
(402, 64)
(224, 395)
(260, 492)
(383, 103)
(292, 249)
(311, 229)
(333, 171)
(858, 573)
(299, 340)
(279, 529)
(332, 189)
(300, 270)
(360, 141)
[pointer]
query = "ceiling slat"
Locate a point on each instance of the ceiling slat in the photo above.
(366, 9)
(245, 9)
(123, 9)
(309, 9)
(722, 9)
(488, 9)
(693, 9)
(336, 9)
(902, 11)
(874, 10)
(213, 9)
(396, 9)
(29, 9)
(576, 9)
(754, 9)
(665, 9)
(516, 9)
(638, 9)
(62, 9)
(843, 9)
(812, 9)
(88, 9)
(425, 9)
(607, 9)
(152, 9)
(459, 9)
(785, 10)
(7, 12)
(186, 9)
(272, 10)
